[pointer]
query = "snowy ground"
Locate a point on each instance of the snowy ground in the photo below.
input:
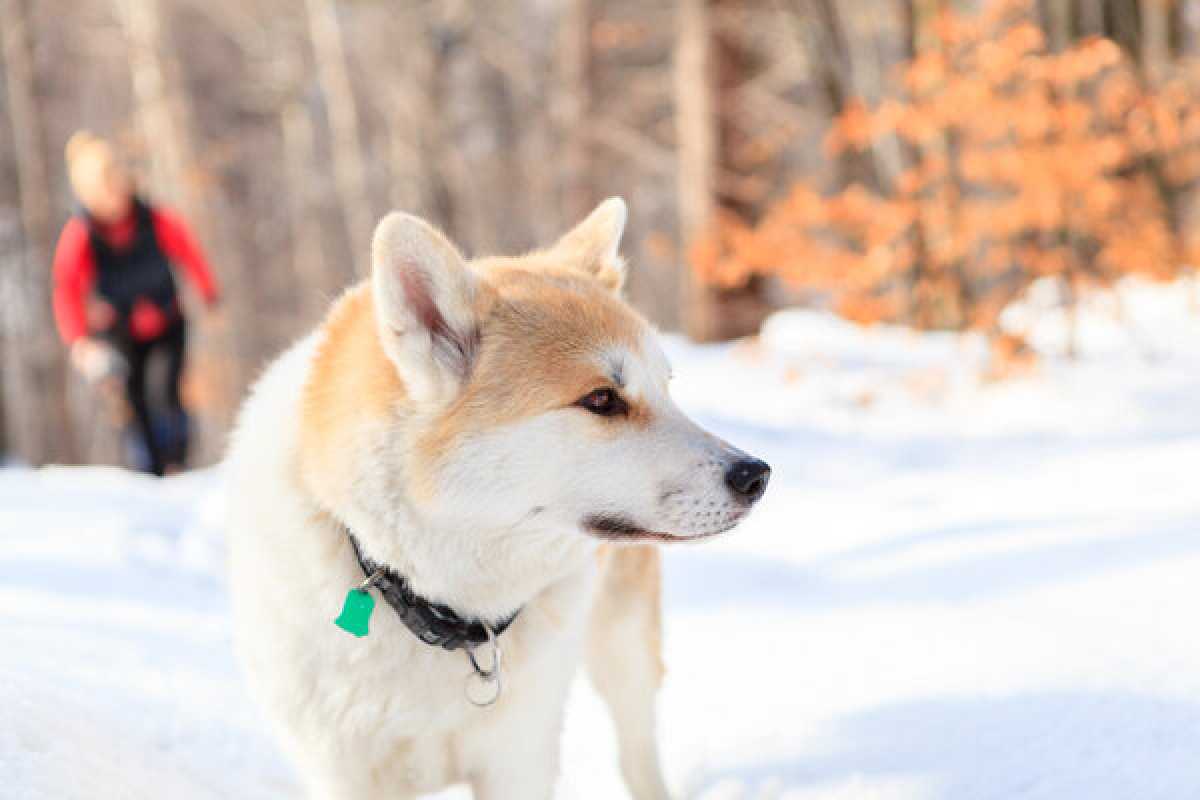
(952, 590)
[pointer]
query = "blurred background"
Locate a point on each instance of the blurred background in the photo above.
(931, 259)
(911, 161)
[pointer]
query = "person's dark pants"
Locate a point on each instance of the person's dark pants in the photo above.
(161, 428)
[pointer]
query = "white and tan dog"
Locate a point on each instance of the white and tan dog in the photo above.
(499, 433)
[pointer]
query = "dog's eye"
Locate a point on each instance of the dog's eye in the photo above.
(605, 402)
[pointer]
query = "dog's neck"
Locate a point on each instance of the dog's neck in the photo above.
(435, 624)
(482, 574)
(357, 428)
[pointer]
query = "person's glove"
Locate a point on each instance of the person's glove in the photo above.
(97, 360)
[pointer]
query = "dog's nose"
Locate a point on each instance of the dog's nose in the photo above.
(748, 479)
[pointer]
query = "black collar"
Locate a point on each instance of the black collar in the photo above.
(432, 623)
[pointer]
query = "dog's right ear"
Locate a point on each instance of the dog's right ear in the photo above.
(424, 295)
(592, 245)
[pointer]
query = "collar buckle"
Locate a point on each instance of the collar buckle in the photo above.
(483, 685)
(371, 580)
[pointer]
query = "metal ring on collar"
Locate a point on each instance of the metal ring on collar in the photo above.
(493, 672)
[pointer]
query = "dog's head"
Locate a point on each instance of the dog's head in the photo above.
(546, 395)
(533, 396)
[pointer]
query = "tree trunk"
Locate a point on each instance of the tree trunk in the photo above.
(1057, 17)
(313, 283)
(35, 380)
(1089, 17)
(349, 168)
(707, 313)
(573, 106)
(828, 49)
(5, 448)
(1156, 36)
(407, 106)
(919, 17)
(156, 115)
(1121, 25)
(1187, 24)
(695, 124)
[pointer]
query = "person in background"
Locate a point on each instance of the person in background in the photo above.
(116, 300)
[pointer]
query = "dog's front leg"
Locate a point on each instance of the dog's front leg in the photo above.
(528, 782)
(624, 661)
(515, 754)
(331, 782)
(521, 765)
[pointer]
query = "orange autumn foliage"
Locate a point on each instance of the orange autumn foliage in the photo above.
(1021, 163)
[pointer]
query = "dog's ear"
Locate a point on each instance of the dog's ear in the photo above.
(424, 295)
(592, 245)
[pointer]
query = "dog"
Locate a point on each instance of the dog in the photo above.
(485, 451)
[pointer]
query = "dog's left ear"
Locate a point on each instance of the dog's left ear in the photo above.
(424, 295)
(592, 245)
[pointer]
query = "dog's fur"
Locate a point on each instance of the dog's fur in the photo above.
(435, 413)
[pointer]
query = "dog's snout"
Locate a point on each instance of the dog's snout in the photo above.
(748, 478)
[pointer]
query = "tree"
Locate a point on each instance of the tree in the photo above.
(1028, 163)
(35, 381)
(348, 167)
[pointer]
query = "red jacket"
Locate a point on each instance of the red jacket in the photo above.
(75, 272)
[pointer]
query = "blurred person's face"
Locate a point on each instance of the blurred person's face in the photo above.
(102, 185)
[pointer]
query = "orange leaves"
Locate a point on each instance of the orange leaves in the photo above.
(850, 208)
(918, 127)
(1089, 58)
(888, 117)
(997, 64)
(852, 129)
(1022, 164)
(1023, 38)
(1116, 97)
(712, 255)
(1035, 119)
(1012, 356)
(1073, 119)
(865, 309)
(926, 72)
(1109, 152)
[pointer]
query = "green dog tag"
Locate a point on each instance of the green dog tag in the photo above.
(356, 612)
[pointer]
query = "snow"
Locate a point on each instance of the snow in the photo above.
(954, 588)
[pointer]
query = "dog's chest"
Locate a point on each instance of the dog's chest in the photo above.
(406, 703)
